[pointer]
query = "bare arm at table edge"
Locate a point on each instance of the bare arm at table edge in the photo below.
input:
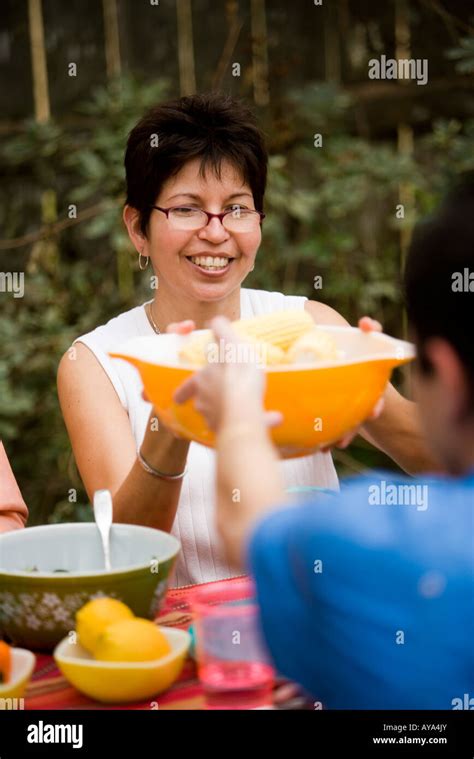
(105, 450)
(397, 431)
(13, 511)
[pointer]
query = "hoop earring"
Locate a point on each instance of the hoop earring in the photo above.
(140, 266)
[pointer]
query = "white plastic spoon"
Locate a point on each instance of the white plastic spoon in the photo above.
(103, 520)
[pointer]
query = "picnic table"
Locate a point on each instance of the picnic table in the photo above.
(49, 689)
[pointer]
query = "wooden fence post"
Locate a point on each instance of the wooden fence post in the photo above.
(38, 62)
(112, 39)
(260, 53)
(404, 131)
(405, 147)
(234, 26)
(45, 252)
(187, 76)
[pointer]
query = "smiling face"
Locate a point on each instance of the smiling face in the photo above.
(181, 258)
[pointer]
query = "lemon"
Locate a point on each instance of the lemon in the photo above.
(132, 640)
(95, 616)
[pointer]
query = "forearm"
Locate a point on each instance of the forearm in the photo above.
(13, 510)
(398, 432)
(11, 520)
(149, 500)
(249, 481)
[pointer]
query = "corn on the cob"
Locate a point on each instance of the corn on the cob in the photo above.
(271, 335)
(195, 348)
(266, 353)
(202, 349)
(313, 346)
(280, 329)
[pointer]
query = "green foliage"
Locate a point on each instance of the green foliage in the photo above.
(331, 212)
(464, 54)
(34, 332)
(332, 209)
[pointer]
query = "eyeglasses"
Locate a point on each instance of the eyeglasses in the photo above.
(236, 219)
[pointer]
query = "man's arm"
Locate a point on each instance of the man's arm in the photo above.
(398, 433)
(249, 480)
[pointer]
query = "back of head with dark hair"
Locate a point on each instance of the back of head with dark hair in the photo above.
(213, 127)
(439, 277)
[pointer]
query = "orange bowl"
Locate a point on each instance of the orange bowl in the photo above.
(320, 402)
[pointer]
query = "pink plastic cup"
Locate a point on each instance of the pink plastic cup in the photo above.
(234, 666)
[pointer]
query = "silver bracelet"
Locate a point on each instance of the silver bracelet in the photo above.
(156, 473)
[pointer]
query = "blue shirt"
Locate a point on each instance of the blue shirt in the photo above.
(367, 597)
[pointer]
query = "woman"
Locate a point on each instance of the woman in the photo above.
(196, 173)
(13, 511)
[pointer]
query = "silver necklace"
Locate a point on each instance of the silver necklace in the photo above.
(151, 319)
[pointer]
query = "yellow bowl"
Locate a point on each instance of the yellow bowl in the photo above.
(121, 682)
(23, 664)
(320, 402)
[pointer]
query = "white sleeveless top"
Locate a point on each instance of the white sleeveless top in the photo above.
(201, 558)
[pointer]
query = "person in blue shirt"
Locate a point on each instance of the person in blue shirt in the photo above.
(367, 596)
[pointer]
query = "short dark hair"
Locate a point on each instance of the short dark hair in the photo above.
(441, 256)
(212, 126)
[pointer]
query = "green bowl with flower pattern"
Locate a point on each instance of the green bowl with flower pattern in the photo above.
(47, 573)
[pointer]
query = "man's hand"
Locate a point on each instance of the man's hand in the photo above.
(175, 328)
(230, 390)
(181, 328)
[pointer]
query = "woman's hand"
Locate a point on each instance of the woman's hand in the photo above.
(366, 324)
(229, 390)
(177, 328)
